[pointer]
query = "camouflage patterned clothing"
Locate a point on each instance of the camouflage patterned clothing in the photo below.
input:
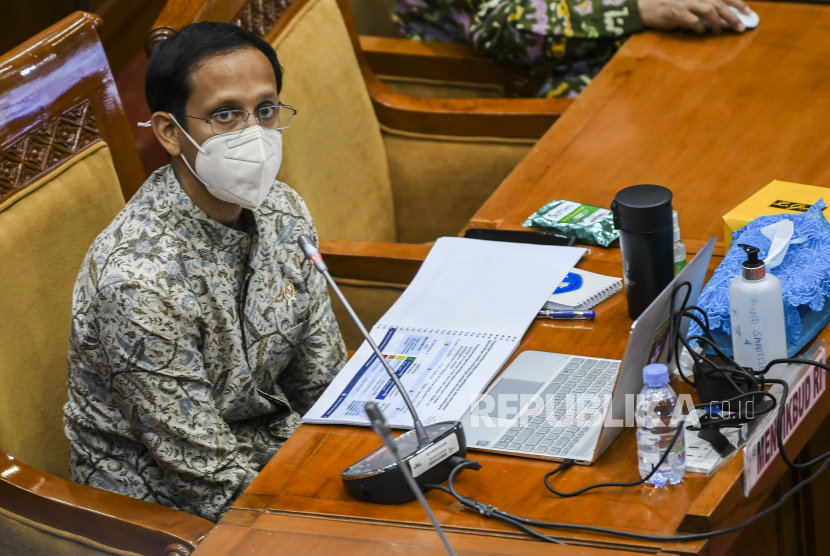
(568, 41)
(194, 348)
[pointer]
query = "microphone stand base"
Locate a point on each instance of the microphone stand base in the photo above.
(377, 478)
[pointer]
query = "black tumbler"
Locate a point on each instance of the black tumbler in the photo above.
(643, 215)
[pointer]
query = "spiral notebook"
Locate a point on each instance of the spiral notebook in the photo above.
(581, 290)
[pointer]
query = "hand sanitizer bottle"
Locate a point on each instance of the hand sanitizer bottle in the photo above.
(756, 308)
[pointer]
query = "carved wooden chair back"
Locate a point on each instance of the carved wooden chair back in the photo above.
(57, 97)
(66, 155)
(67, 161)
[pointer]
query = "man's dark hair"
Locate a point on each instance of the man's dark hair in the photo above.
(167, 83)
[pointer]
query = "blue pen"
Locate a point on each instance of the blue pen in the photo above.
(566, 315)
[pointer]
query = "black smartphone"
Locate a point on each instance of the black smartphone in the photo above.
(520, 236)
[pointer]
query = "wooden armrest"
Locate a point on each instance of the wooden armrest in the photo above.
(526, 118)
(430, 49)
(435, 60)
(105, 517)
(375, 261)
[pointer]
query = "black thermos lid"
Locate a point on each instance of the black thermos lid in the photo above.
(642, 209)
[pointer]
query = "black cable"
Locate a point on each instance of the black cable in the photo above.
(487, 511)
(783, 407)
(732, 368)
(569, 462)
(515, 523)
(672, 347)
(675, 325)
(490, 511)
(729, 370)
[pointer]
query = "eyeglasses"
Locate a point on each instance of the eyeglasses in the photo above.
(276, 116)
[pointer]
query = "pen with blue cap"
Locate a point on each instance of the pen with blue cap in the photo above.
(566, 315)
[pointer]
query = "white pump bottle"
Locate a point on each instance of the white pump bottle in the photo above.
(756, 308)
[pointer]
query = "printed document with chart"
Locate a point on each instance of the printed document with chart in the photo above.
(449, 333)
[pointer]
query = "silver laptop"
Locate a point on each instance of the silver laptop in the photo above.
(556, 406)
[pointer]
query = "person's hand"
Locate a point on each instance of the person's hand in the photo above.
(670, 14)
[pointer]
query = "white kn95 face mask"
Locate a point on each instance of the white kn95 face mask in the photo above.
(238, 167)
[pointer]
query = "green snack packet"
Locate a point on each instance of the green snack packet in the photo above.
(588, 224)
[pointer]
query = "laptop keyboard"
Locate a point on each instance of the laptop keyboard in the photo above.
(554, 429)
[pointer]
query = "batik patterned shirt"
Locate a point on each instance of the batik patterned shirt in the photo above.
(565, 40)
(194, 348)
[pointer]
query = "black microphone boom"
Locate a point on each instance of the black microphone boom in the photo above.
(426, 450)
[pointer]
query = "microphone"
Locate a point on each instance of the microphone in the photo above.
(313, 254)
(381, 428)
(426, 451)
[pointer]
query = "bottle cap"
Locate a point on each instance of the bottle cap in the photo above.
(656, 374)
(752, 268)
(675, 227)
(642, 209)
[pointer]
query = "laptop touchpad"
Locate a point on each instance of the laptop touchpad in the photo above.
(514, 388)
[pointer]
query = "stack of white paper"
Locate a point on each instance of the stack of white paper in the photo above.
(449, 333)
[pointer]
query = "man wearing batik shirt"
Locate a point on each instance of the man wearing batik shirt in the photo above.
(200, 334)
(564, 42)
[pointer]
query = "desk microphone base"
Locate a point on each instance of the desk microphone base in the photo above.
(376, 478)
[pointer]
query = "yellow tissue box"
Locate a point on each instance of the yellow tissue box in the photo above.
(778, 197)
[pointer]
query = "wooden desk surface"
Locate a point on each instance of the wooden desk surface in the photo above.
(713, 118)
(267, 534)
(303, 480)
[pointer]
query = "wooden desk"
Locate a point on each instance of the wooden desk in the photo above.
(302, 482)
(267, 534)
(712, 118)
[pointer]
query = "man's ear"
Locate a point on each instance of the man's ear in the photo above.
(167, 133)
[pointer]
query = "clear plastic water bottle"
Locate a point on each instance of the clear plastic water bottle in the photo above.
(655, 430)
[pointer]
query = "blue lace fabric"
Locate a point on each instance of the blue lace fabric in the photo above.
(804, 272)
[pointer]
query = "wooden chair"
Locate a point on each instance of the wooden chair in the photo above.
(432, 69)
(67, 161)
(373, 165)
